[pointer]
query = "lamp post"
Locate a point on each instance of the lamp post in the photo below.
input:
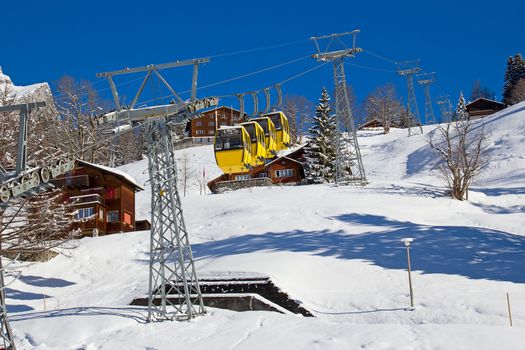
(407, 242)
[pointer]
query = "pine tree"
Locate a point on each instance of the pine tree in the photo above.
(461, 109)
(514, 72)
(321, 151)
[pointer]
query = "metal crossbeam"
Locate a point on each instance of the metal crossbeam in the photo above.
(172, 270)
(348, 153)
(153, 68)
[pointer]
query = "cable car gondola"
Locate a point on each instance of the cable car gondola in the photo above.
(269, 135)
(233, 149)
(282, 129)
(258, 145)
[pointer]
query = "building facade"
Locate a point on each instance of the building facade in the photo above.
(104, 198)
(203, 128)
(284, 169)
(483, 107)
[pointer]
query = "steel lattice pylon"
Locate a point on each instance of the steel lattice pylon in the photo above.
(446, 108)
(6, 335)
(174, 291)
(345, 120)
(426, 80)
(348, 153)
(413, 110)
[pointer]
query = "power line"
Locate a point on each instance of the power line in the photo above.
(370, 68)
(259, 49)
(236, 78)
(379, 56)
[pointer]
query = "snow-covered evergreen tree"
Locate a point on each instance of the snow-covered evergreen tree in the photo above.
(461, 108)
(321, 149)
(513, 73)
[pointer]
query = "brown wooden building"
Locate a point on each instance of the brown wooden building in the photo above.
(284, 169)
(483, 107)
(104, 198)
(203, 128)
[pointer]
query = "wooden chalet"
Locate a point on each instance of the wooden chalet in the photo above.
(104, 198)
(286, 168)
(483, 107)
(375, 124)
(203, 128)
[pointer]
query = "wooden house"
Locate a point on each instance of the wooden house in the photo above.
(202, 129)
(104, 198)
(286, 168)
(483, 107)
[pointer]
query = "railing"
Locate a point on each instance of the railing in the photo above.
(87, 199)
(71, 181)
(223, 186)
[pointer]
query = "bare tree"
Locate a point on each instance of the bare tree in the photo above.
(43, 220)
(37, 224)
(78, 103)
(461, 146)
(298, 109)
(384, 106)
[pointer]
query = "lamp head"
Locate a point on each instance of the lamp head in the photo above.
(407, 241)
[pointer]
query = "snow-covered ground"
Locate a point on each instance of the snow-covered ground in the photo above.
(337, 250)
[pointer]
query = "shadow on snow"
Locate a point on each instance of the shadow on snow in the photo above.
(473, 252)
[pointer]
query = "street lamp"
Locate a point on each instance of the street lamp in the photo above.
(407, 242)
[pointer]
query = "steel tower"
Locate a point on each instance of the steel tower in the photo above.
(348, 153)
(408, 69)
(425, 80)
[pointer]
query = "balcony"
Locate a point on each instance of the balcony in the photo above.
(87, 199)
(75, 181)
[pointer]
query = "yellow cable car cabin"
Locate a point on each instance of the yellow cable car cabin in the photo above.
(233, 149)
(282, 129)
(269, 135)
(258, 145)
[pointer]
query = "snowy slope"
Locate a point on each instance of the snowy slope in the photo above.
(337, 250)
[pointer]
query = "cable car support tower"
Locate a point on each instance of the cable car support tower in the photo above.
(425, 80)
(174, 291)
(408, 69)
(325, 46)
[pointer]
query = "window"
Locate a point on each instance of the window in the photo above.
(211, 123)
(84, 213)
(223, 116)
(199, 132)
(111, 194)
(276, 119)
(128, 218)
(101, 214)
(242, 177)
(262, 175)
(284, 173)
(199, 123)
(229, 139)
(211, 132)
(113, 216)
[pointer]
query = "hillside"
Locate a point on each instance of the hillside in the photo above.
(336, 250)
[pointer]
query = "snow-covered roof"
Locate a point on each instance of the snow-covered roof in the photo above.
(286, 153)
(113, 171)
(485, 99)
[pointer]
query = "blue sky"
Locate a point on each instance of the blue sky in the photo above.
(459, 40)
